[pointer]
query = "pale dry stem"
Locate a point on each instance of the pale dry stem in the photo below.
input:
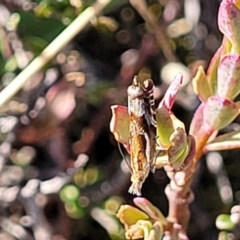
(180, 197)
(52, 49)
(156, 29)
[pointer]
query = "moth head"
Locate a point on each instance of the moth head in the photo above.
(135, 90)
(147, 85)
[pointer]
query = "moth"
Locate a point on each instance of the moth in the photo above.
(142, 142)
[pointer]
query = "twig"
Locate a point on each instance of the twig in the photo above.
(51, 50)
(156, 29)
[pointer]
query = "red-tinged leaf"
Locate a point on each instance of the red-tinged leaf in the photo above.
(228, 76)
(153, 212)
(224, 142)
(212, 70)
(229, 21)
(218, 112)
(119, 124)
(201, 86)
(171, 92)
(197, 121)
(129, 215)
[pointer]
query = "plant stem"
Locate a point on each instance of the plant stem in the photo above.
(51, 50)
(180, 197)
(156, 29)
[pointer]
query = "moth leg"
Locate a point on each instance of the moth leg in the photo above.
(153, 163)
(148, 152)
(153, 166)
(148, 148)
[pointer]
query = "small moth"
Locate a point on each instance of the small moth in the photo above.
(141, 109)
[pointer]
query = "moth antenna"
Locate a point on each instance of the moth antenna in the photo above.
(123, 156)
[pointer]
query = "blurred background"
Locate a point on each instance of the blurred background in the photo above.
(62, 176)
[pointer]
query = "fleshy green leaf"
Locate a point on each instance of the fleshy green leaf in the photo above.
(179, 148)
(167, 123)
(218, 112)
(212, 70)
(153, 212)
(164, 127)
(176, 122)
(201, 86)
(172, 138)
(175, 156)
(129, 215)
(228, 84)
